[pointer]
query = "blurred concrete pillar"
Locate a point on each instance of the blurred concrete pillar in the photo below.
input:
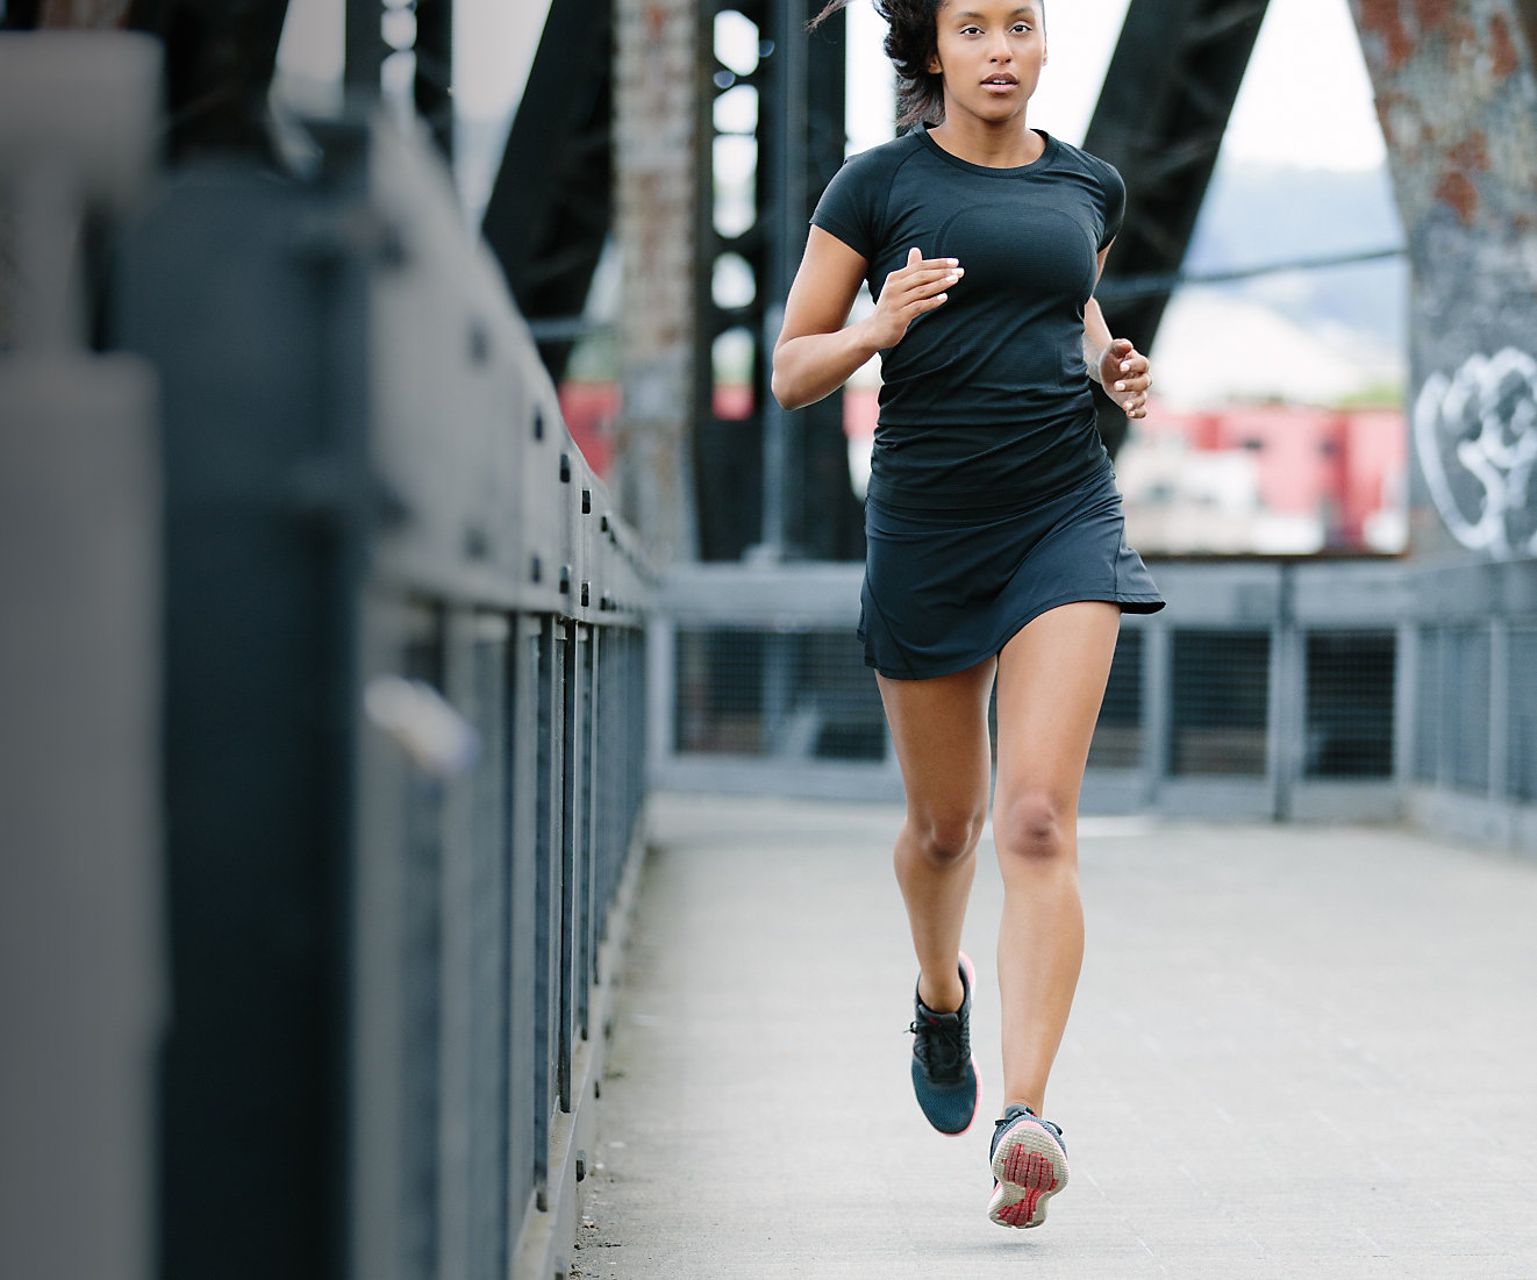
(656, 136)
(81, 970)
(1456, 91)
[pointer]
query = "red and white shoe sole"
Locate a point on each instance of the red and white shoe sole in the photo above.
(1030, 1168)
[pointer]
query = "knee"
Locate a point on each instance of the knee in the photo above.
(945, 837)
(1034, 825)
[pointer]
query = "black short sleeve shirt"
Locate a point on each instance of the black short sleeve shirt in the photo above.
(986, 397)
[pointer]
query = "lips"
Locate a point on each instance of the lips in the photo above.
(1001, 80)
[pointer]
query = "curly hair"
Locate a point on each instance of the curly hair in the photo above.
(912, 39)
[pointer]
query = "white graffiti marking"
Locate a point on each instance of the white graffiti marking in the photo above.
(1476, 437)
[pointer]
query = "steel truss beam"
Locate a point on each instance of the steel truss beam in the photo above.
(1160, 121)
(552, 202)
(219, 59)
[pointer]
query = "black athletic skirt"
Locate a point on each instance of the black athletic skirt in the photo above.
(947, 588)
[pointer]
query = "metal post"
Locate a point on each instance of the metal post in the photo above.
(365, 49)
(1405, 705)
(82, 981)
(782, 217)
(1284, 716)
(1499, 704)
(434, 70)
(1157, 657)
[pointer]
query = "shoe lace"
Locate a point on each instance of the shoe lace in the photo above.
(943, 1046)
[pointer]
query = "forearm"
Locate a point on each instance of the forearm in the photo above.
(1096, 337)
(816, 364)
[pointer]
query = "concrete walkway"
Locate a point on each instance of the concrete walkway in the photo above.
(1295, 1052)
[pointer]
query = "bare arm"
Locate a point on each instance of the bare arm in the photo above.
(1128, 369)
(815, 353)
(1096, 333)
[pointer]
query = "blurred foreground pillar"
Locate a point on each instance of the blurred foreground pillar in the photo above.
(656, 136)
(82, 989)
(1456, 90)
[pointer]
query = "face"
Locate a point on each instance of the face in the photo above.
(990, 54)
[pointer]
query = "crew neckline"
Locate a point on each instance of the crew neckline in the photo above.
(991, 171)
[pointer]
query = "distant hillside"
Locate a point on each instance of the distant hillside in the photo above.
(1254, 215)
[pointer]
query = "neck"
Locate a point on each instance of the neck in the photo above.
(1001, 144)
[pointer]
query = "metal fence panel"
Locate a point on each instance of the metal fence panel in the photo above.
(1220, 688)
(1465, 719)
(1118, 735)
(389, 889)
(1348, 718)
(1296, 690)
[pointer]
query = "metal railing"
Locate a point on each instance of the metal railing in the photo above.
(404, 725)
(1365, 690)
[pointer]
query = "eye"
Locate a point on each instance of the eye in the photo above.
(966, 31)
(1021, 26)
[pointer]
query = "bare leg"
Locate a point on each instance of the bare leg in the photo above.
(1051, 681)
(939, 728)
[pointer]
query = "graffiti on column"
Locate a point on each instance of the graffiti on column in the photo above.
(1475, 434)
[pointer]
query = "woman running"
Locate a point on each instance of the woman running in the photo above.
(995, 535)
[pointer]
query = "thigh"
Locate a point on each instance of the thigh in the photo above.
(939, 730)
(1051, 682)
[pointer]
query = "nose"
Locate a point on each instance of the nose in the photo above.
(1001, 52)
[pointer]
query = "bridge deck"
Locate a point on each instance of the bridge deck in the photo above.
(1295, 1051)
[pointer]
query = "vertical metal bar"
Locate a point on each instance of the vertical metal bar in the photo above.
(1157, 674)
(421, 967)
(1499, 706)
(587, 869)
(1445, 642)
(434, 70)
(640, 660)
(550, 887)
(571, 755)
(525, 1051)
(782, 218)
(1406, 712)
(454, 993)
(597, 807)
(485, 1173)
(1283, 713)
(364, 48)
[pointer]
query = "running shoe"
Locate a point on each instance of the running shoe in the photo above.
(944, 1072)
(1029, 1167)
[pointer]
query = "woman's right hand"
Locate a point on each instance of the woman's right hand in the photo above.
(909, 291)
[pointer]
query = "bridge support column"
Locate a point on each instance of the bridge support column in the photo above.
(656, 136)
(1456, 90)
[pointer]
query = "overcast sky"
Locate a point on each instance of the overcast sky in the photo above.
(1305, 99)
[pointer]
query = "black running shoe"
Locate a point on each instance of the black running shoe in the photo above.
(1029, 1162)
(944, 1072)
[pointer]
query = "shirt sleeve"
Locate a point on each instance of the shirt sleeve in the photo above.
(1115, 202)
(849, 208)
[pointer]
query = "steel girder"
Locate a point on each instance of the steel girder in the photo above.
(552, 202)
(219, 59)
(1160, 121)
(1456, 94)
(801, 505)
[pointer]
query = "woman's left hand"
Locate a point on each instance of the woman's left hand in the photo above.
(1124, 374)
